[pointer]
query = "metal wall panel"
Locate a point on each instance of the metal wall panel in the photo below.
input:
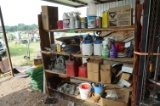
(106, 6)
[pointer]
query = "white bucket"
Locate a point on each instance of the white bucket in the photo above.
(84, 92)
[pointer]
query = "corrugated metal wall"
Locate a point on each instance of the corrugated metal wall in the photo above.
(106, 6)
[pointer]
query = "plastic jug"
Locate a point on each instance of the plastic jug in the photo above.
(98, 47)
(91, 9)
(66, 21)
(87, 48)
(82, 71)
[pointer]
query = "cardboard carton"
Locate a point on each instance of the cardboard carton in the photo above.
(128, 68)
(125, 76)
(122, 101)
(120, 16)
(49, 17)
(105, 73)
(93, 65)
(38, 61)
(93, 76)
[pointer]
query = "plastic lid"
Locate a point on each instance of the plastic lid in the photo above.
(87, 41)
(97, 41)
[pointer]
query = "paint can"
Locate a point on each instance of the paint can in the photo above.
(105, 20)
(91, 21)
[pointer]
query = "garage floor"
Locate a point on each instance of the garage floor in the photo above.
(16, 92)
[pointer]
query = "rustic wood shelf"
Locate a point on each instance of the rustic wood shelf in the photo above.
(85, 79)
(123, 28)
(78, 97)
(124, 60)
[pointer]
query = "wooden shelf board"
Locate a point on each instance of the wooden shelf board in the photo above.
(85, 79)
(122, 28)
(78, 97)
(127, 60)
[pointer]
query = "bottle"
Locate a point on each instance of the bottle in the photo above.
(77, 20)
(66, 21)
(72, 21)
(91, 9)
(105, 49)
(113, 52)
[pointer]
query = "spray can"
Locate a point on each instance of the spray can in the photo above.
(77, 20)
(105, 20)
(98, 22)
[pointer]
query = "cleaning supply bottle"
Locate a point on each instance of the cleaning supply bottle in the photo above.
(66, 21)
(72, 20)
(91, 9)
(113, 52)
(105, 49)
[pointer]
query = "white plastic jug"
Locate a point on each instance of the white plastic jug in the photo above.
(91, 9)
(66, 21)
(87, 48)
(98, 47)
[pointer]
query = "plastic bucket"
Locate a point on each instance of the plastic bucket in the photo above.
(84, 89)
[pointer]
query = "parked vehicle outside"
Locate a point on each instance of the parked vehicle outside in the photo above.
(2, 47)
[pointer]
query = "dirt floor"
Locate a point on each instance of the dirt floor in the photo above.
(16, 92)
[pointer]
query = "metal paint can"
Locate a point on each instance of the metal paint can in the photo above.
(83, 22)
(91, 21)
(98, 22)
(105, 20)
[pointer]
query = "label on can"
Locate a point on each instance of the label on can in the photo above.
(105, 20)
(83, 22)
(91, 21)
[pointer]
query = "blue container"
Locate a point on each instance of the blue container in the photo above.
(91, 21)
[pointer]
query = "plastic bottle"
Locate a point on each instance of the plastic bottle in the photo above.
(113, 52)
(91, 9)
(66, 21)
(105, 49)
(72, 21)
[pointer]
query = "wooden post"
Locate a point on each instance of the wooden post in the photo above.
(5, 38)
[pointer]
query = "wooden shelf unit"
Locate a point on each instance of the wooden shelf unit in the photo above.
(47, 38)
(78, 97)
(124, 60)
(85, 79)
(124, 28)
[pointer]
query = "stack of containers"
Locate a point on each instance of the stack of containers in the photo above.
(91, 14)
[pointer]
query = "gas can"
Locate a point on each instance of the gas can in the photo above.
(105, 20)
(98, 22)
(82, 71)
(71, 68)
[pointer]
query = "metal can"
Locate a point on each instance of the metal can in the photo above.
(98, 22)
(83, 22)
(105, 20)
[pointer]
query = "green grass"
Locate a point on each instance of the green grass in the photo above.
(18, 51)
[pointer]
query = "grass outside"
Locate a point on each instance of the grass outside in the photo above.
(18, 51)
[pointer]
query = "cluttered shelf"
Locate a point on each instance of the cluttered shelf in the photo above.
(77, 97)
(124, 60)
(85, 79)
(123, 28)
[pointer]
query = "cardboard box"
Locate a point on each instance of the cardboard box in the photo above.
(105, 73)
(125, 76)
(38, 61)
(49, 17)
(122, 101)
(120, 16)
(93, 76)
(93, 66)
(128, 68)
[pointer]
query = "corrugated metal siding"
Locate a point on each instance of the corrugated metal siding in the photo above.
(106, 6)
